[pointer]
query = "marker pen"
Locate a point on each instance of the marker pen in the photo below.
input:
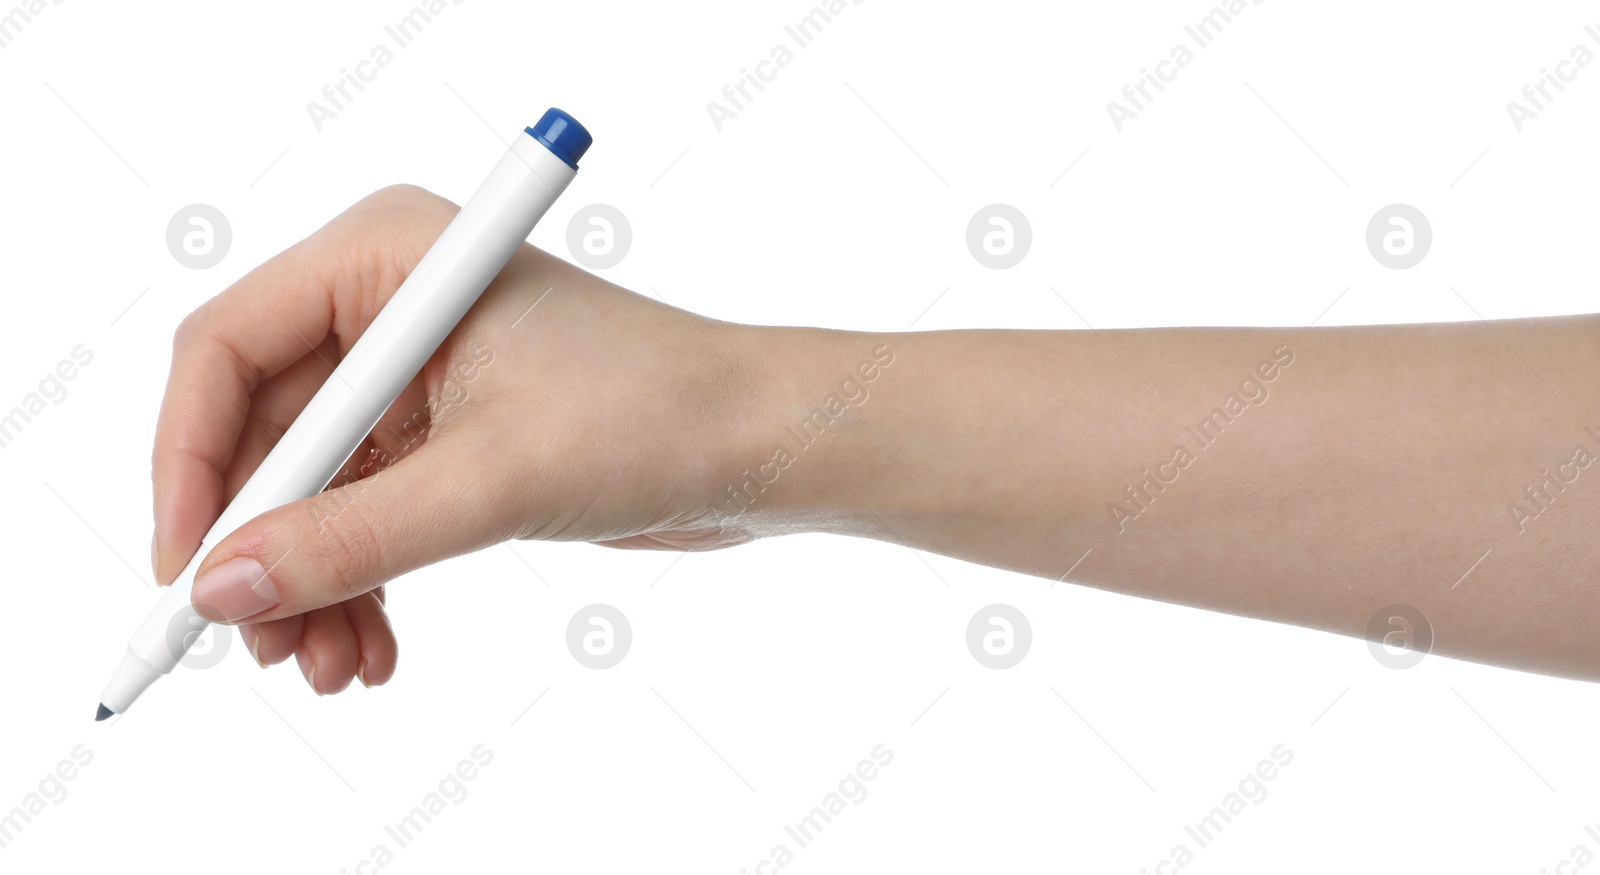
(473, 249)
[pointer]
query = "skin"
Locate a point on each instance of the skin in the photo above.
(1378, 465)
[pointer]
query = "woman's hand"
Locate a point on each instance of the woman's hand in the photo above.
(562, 407)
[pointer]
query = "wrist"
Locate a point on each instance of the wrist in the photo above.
(811, 438)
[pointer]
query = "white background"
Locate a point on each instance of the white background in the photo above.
(760, 676)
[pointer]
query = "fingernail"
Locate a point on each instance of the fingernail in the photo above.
(235, 590)
(155, 558)
(308, 667)
(361, 675)
(252, 640)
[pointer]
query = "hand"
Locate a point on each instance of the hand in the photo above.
(562, 407)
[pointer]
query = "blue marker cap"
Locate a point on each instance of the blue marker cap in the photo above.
(562, 135)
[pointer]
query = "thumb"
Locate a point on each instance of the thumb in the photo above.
(435, 503)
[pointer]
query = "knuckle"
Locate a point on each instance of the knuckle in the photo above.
(189, 329)
(401, 198)
(400, 192)
(399, 222)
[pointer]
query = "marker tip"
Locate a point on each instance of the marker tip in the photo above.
(102, 714)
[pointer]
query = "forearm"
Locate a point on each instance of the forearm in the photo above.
(1310, 476)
